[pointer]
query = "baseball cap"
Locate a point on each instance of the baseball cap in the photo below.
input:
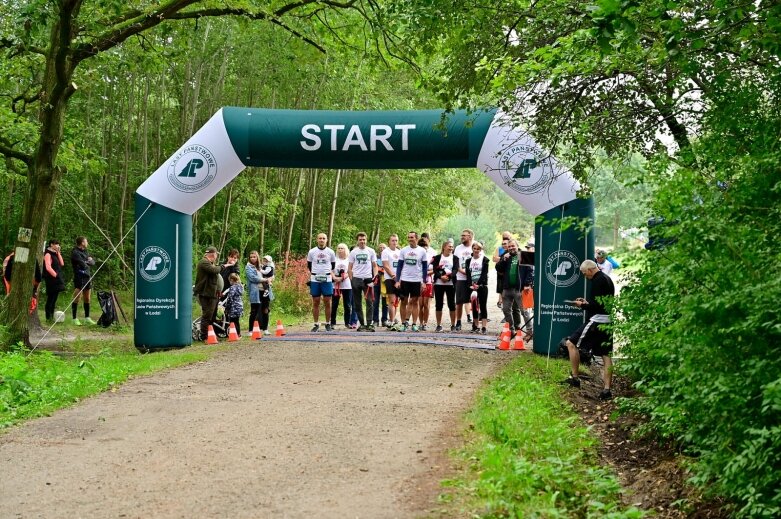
(268, 258)
(210, 250)
(600, 253)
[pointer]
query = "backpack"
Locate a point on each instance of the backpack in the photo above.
(109, 315)
(613, 262)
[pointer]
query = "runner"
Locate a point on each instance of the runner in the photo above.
(362, 270)
(321, 262)
(342, 286)
(428, 290)
(390, 260)
(445, 263)
(463, 252)
(379, 291)
(412, 274)
(477, 275)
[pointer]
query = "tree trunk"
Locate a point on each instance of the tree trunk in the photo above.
(333, 204)
(293, 216)
(43, 176)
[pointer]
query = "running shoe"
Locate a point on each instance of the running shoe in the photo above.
(422, 327)
(468, 318)
(315, 328)
(370, 328)
(404, 328)
(484, 331)
(452, 328)
(439, 329)
(458, 327)
(76, 322)
(605, 394)
(89, 321)
(572, 381)
(475, 329)
(329, 328)
(415, 328)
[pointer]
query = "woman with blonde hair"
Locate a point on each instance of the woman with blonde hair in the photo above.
(342, 286)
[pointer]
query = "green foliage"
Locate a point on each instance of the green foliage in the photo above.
(530, 456)
(701, 319)
(36, 384)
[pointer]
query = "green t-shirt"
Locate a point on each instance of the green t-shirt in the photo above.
(513, 270)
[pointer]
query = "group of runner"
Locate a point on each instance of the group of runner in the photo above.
(408, 278)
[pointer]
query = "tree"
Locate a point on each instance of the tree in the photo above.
(46, 43)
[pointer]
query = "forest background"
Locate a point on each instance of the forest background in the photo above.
(665, 108)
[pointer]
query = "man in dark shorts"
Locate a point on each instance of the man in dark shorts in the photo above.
(593, 335)
(81, 262)
(411, 275)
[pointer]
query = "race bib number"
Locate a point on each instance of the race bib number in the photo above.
(361, 259)
(395, 264)
(322, 278)
(411, 261)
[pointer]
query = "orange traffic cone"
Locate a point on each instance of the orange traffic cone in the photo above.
(211, 337)
(280, 328)
(504, 338)
(518, 345)
(256, 333)
(233, 335)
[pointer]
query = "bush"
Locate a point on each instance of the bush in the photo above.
(702, 323)
(290, 289)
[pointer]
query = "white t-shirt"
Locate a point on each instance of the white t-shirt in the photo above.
(362, 261)
(430, 258)
(462, 252)
(342, 264)
(476, 266)
(392, 257)
(412, 260)
(605, 267)
(446, 263)
(321, 260)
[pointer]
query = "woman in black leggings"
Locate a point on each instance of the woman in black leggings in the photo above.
(477, 275)
(52, 276)
(445, 264)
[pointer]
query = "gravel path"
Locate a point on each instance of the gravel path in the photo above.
(259, 430)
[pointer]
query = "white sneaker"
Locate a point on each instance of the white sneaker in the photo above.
(266, 332)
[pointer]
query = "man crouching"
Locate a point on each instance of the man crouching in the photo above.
(594, 335)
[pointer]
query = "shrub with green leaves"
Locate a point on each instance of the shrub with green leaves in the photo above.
(702, 318)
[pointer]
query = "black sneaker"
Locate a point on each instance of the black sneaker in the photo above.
(315, 328)
(329, 328)
(439, 329)
(475, 329)
(484, 331)
(458, 326)
(605, 394)
(572, 381)
(468, 318)
(370, 328)
(422, 327)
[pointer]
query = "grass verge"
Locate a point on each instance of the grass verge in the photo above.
(528, 454)
(35, 385)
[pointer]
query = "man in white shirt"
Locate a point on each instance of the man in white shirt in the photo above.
(362, 270)
(411, 275)
(602, 263)
(321, 262)
(390, 260)
(463, 252)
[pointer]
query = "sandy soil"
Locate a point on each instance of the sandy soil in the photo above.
(259, 430)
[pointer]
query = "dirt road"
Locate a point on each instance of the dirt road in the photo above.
(270, 430)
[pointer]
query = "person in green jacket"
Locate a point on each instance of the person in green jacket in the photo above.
(206, 287)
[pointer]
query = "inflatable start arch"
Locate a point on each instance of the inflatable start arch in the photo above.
(235, 138)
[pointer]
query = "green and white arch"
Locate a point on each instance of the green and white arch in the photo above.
(235, 138)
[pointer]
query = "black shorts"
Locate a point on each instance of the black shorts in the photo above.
(463, 292)
(593, 337)
(409, 289)
(390, 288)
(82, 282)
